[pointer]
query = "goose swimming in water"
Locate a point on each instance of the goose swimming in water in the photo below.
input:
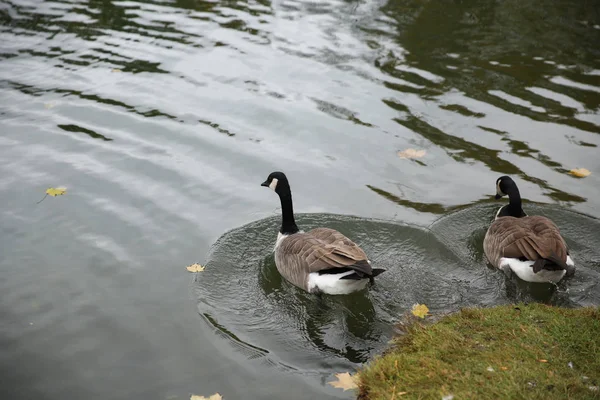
(531, 246)
(321, 260)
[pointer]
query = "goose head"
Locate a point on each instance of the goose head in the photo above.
(504, 185)
(277, 181)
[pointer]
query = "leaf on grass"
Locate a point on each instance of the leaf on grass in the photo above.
(56, 191)
(503, 368)
(215, 396)
(420, 310)
(543, 361)
(411, 153)
(580, 172)
(344, 381)
(195, 268)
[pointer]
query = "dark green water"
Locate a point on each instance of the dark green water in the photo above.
(163, 118)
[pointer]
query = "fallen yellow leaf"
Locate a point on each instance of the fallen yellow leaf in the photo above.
(56, 191)
(580, 172)
(420, 310)
(411, 153)
(195, 268)
(344, 381)
(544, 361)
(503, 368)
(215, 396)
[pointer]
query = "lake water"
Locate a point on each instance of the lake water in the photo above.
(162, 119)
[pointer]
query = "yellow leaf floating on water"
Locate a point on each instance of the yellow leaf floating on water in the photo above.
(420, 310)
(215, 396)
(411, 153)
(56, 191)
(116, 70)
(195, 268)
(344, 381)
(53, 192)
(580, 172)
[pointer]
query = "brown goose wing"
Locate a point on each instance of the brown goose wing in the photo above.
(316, 254)
(300, 254)
(532, 238)
(341, 244)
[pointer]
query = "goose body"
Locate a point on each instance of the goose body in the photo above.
(322, 260)
(530, 246)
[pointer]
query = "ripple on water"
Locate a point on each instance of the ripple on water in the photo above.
(243, 296)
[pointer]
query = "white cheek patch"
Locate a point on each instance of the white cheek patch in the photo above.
(273, 184)
(498, 191)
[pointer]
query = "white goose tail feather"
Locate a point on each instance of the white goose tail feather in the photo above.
(524, 270)
(334, 284)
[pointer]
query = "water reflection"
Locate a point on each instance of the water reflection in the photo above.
(475, 53)
(159, 115)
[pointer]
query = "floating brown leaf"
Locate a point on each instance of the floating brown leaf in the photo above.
(411, 153)
(195, 268)
(344, 381)
(580, 172)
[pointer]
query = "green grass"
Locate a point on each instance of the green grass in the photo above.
(452, 356)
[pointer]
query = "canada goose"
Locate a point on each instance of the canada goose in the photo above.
(321, 260)
(531, 246)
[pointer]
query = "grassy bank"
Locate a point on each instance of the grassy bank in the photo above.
(506, 352)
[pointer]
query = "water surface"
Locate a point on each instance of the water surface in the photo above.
(162, 118)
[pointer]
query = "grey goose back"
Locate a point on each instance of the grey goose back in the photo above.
(531, 246)
(321, 260)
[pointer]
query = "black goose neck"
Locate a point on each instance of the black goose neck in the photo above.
(288, 224)
(514, 207)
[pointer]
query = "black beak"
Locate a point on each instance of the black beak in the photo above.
(498, 196)
(265, 184)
